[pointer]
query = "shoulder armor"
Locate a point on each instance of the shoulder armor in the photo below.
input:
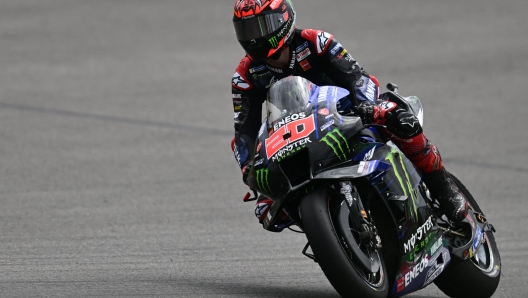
(320, 38)
(239, 79)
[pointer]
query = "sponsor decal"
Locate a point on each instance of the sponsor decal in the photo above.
(415, 271)
(237, 95)
(327, 125)
(262, 128)
(305, 65)
(237, 105)
(387, 105)
(349, 58)
(420, 233)
(369, 154)
(406, 186)
(274, 42)
(323, 112)
(322, 41)
(366, 167)
(346, 189)
(436, 269)
(262, 180)
(322, 94)
(277, 70)
(335, 140)
(400, 284)
(478, 239)
(292, 62)
(262, 75)
(257, 69)
(419, 245)
(336, 48)
(239, 82)
(275, 4)
(292, 134)
(260, 209)
(258, 162)
(371, 91)
(290, 149)
(272, 81)
(259, 146)
(302, 55)
(285, 31)
(436, 246)
(237, 154)
(302, 47)
(342, 54)
(236, 115)
(288, 119)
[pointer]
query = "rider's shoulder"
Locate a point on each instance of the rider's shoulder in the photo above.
(321, 39)
(240, 78)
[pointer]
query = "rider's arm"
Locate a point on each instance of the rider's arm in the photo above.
(247, 106)
(342, 69)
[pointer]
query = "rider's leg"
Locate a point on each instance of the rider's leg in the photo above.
(425, 156)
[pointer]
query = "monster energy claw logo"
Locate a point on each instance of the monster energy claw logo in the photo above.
(405, 184)
(262, 180)
(273, 41)
(335, 140)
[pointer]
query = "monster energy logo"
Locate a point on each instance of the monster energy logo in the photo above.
(407, 187)
(335, 139)
(262, 180)
(273, 42)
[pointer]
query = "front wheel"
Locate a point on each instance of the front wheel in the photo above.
(326, 222)
(478, 276)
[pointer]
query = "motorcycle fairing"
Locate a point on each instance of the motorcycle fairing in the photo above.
(432, 263)
(421, 244)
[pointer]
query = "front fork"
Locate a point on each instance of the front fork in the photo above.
(360, 219)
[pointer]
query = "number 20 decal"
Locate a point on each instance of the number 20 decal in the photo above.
(289, 133)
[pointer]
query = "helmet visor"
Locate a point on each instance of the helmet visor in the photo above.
(259, 26)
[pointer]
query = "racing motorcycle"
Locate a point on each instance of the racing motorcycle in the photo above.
(370, 222)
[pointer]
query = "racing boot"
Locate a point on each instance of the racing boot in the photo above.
(442, 188)
(261, 211)
(426, 158)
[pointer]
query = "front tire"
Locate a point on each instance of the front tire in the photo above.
(321, 222)
(475, 277)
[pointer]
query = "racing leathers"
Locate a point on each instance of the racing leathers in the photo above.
(317, 56)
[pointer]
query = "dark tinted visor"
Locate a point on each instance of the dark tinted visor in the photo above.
(259, 26)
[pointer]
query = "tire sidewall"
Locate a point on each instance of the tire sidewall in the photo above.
(329, 253)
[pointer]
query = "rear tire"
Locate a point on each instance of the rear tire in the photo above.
(318, 213)
(470, 278)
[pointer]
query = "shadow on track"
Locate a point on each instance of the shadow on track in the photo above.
(261, 288)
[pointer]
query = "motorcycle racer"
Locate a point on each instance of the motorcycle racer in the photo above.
(275, 49)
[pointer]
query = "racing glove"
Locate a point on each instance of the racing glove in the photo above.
(375, 114)
(400, 122)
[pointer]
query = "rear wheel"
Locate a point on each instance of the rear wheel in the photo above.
(478, 276)
(341, 253)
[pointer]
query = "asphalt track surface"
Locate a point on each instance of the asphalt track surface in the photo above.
(116, 175)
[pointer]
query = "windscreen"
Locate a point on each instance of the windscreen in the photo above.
(287, 96)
